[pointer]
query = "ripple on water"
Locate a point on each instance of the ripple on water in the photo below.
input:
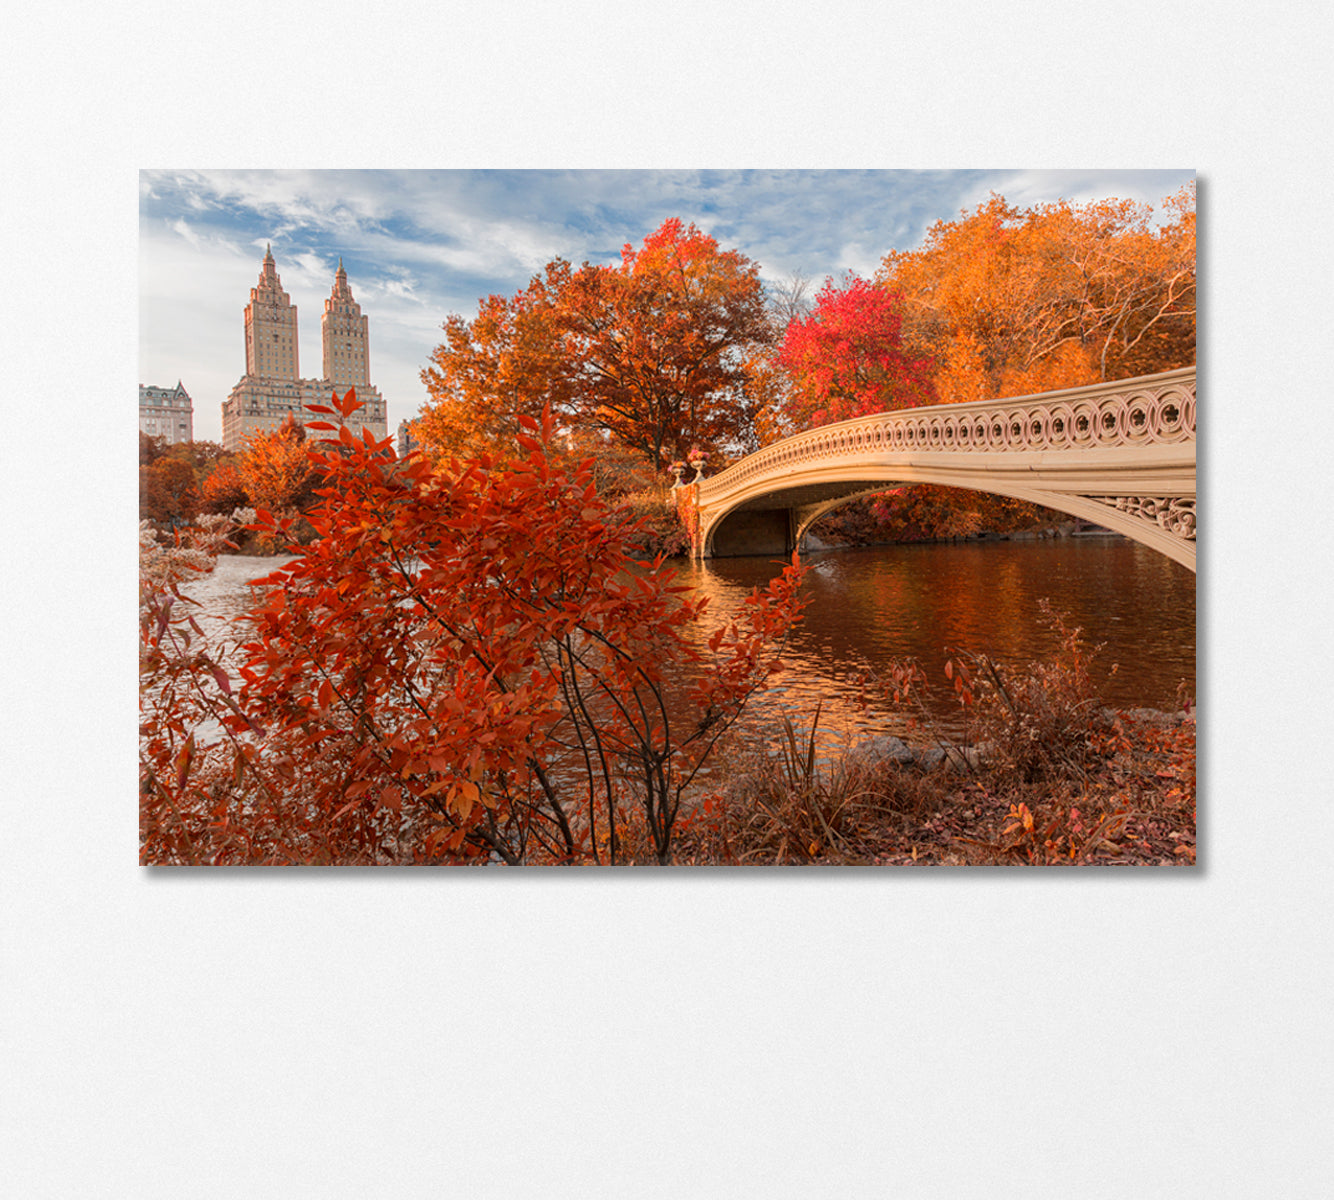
(869, 607)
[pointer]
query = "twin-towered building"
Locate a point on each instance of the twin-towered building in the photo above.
(272, 388)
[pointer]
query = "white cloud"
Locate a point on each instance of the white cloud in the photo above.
(419, 245)
(186, 232)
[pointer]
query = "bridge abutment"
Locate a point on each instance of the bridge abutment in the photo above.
(753, 532)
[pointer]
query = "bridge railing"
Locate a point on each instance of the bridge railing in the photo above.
(1148, 410)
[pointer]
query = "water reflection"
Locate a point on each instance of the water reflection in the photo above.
(225, 594)
(872, 606)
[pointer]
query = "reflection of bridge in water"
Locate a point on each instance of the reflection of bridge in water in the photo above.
(1121, 455)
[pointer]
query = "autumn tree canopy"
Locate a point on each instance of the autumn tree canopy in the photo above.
(507, 362)
(656, 350)
(223, 490)
(173, 477)
(184, 480)
(846, 358)
(1003, 302)
(167, 491)
(275, 470)
(1009, 301)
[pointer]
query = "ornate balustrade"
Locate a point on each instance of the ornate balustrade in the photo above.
(1152, 410)
(1075, 446)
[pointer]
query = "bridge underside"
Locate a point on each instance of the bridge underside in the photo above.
(775, 523)
(1150, 499)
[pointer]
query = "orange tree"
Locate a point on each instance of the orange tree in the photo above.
(509, 361)
(1003, 302)
(466, 663)
(1010, 301)
(656, 350)
(223, 490)
(179, 480)
(276, 471)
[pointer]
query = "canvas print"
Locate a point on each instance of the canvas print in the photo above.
(667, 518)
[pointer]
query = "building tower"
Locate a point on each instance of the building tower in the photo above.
(272, 388)
(346, 345)
(270, 327)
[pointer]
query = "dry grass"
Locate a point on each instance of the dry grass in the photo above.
(794, 806)
(1062, 780)
(1135, 805)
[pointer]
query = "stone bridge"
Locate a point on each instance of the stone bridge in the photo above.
(1121, 455)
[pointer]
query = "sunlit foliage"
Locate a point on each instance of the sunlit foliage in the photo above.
(656, 351)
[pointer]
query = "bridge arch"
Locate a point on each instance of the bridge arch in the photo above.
(1121, 455)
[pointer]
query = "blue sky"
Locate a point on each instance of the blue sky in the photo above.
(421, 244)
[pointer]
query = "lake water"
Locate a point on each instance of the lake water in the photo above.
(869, 607)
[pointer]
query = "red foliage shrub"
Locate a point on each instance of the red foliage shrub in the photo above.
(465, 665)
